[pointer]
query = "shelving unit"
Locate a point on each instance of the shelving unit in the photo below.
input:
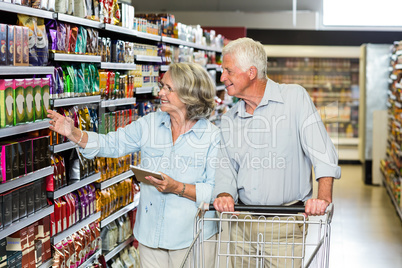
(114, 180)
(4, 187)
(333, 84)
(90, 259)
(26, 221)
(75, 186)
(391, 166)
(109, 255)
(72, 229)
(16, 130)
(117, 102)
(63, 147)
(106, 30)
(26, 70)
(121, 212)
(118, 66)
(76, 101)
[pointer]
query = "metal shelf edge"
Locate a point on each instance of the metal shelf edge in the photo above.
(120, 212)
(64, 147)
(22, 70)
(26, 221)
(118, 66)
(76, 101)
(80, 21)
(72, 187)
(47, 264)
(75, 57)
(148, 58)
(115, 179)
(118, 248)
(143, 90)
(9, 131)
(26, 10)
(118, 102)
(4, 187)
(72, 229)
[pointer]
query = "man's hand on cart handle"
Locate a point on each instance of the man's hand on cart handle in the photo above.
(316, 207)
(224, 202)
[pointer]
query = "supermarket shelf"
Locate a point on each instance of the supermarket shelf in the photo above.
(393, 200)
(75, 57)
(148, 58)
(345, 141)
(78, 20)
(118, 66)
(4, 187)
(148, 36)
(47, 264)
(76, 101)
(26, 70)
(164, 68)
(72, 187)
(26, 10)
(90, 259)
(109, 255)
(120, 212)
(119, 29)
(26, 221)
(9, 131)
(62, 147)
(72, 229)
(143, 90)
(114, 180)
(117, 102)
(220, 87)
(171, 40)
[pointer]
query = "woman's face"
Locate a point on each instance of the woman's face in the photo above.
(170, 101)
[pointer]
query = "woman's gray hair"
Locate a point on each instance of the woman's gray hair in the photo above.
(194, 88)
(246, 52)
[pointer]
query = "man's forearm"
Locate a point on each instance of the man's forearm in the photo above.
(325, 186)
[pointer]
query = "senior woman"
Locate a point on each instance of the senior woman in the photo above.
(180, 143)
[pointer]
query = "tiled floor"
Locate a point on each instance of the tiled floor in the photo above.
(366, 231)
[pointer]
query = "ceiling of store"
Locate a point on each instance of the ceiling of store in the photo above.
(225, 5)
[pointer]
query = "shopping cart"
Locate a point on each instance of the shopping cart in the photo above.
(261, 236)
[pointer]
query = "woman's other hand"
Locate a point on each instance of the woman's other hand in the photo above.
(61, 124)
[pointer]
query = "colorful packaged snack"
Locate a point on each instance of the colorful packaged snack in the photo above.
(42, 47)
(3, 44)
(10, 45)
(45, 83)
(31, 23)
(7, 102)
(72, 39)
(29, 104)
(19, 102)
(18, 40)
(37, 94)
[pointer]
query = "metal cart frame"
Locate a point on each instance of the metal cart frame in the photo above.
(261, 242)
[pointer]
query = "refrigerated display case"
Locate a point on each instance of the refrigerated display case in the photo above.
(331, 77)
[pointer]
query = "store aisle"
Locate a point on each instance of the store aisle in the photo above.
(366, 231)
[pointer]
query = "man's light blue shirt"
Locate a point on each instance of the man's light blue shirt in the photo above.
(267, 157)
(165, 220)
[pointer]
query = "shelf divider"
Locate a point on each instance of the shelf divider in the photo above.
(26, 221)
(26, 70)
(121, 211)
(109, 255)
(4, 187)
(72, 187)
(72, 229)
(76, 101)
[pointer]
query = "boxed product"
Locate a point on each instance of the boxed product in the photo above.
(7, 209)
(29, 100)
(43, 197)
(10, 44)
(7, 102)
(30, 198)
(6, 163)
(23, 202)
(18, 242)
(25, 46)
(37, 195)
(45, 96)
(21, 158)
(19, 101)
(3, 44)
(18, 43)
(15, 204)
(44, 237)
(31, 245)
(3, 252)
(37, 98)
(27, 147)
